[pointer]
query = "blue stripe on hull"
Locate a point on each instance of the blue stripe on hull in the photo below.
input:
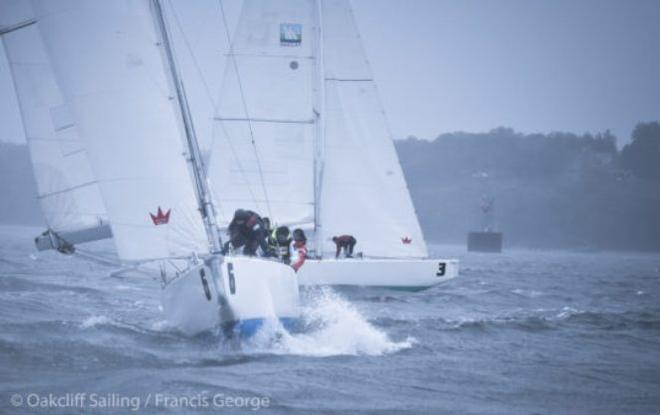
(248, 328)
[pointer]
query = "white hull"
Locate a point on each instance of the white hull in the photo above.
(395, 273)
(245, 292)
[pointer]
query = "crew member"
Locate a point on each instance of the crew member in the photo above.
(299, 249)
(345, 242)
(267, 233)
(236, 239)
(247, 230)
(279, 244)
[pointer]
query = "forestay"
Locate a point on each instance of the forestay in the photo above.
(109, 65)
(263, 148)
(363, 191)
(67, 190)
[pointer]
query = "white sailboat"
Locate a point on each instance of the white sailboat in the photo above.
(302, 137)
(114, 66)
(66, 188)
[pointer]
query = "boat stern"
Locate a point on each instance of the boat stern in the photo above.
(412, 274)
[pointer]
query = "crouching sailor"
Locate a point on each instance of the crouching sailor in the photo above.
(246, 230)
(345, 242)
(299, 249)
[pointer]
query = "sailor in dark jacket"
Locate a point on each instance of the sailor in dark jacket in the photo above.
(247, 230)
(345, 242)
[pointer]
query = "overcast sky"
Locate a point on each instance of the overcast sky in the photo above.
(442, 66)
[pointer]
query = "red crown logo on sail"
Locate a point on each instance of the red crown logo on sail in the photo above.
(160, 218)
(405, 240)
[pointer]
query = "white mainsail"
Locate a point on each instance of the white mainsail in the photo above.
(67, 190)
(363, 190)
(277, 91)
(262, 155)
(128, 122)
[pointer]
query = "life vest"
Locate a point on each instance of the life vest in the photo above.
(272, 240)
(279, 243)
(299, 255)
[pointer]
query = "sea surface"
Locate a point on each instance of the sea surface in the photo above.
(523, 332)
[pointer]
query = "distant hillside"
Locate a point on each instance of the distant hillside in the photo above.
(18, 192)
(552, 191)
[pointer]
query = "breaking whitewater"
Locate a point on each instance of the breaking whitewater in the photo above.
(522, 332)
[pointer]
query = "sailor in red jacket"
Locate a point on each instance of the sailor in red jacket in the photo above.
(299, 249)
(347, 242)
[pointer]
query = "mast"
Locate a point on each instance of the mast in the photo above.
(206, 207)
(320, 134)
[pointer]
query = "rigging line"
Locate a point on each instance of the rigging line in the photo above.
(202, 78)
(103, 259)
(238, 163)
(209, 96)
(174, 265)
(192, 55)
(245, 108)
(17, 26)
(68, 189)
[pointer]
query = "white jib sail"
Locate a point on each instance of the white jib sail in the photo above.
(363, 190)
(108, 62)
(262, 155)
(67, 190)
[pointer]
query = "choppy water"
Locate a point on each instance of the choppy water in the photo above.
(519, 333)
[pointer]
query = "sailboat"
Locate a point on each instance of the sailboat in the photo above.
(301, 137)
(105, 75)
(67, 191)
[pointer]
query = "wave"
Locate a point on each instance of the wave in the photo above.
(548, 319)
(93, 321)
(331, 326)
(527, 293)
(616, 320)
(384, 299)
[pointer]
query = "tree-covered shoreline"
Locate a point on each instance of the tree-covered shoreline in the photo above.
(558, 190)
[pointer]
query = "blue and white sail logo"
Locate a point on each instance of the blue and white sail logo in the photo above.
(290, 34)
